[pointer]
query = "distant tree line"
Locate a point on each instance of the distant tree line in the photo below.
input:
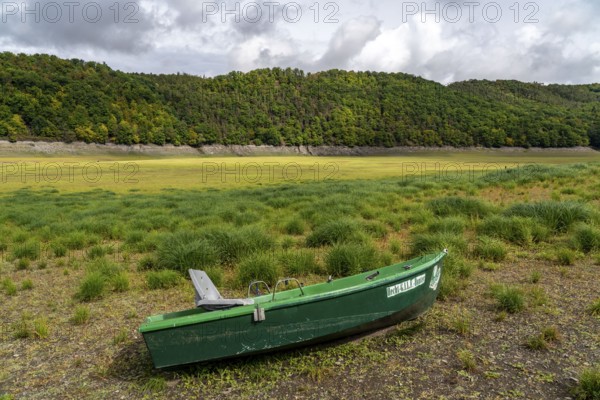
(45, 97)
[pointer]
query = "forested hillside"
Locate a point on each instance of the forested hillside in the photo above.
(44, 97)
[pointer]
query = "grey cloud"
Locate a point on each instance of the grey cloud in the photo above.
(348, 41)
(248, 18)
(548, 61)
(90, 29)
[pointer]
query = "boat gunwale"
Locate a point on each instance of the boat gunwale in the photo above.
(200, 318)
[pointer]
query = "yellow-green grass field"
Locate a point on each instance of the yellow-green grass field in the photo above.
(82, 263)
(143, 173)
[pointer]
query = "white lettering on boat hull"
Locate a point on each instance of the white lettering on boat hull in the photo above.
(405, 286)
(435, 277)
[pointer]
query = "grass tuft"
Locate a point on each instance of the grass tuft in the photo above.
(163, 279)
(589, 384)
(594, 308)
(22, 328)
(258, 267)
(509, 298)
(435, 242)
(337, 231)
(447, 206)
(27, 284)
(295, 226)
(9, 287)
(81, 315)
(184, 250)
(516, 230)
(40, 328)
(537, 342)
(348, 259)
(155, 384)
(147, 262)
(92, 287)
(565, 256)
(299, 262)
(120, 282)
(452, 225)
(96, 251)
(461, 322)
(233, 244)
(23, 264)
(587, 238)
(490, 249)
(535, 276)
(29, 250)
(467, 360)
(556, 215)
(59, 249)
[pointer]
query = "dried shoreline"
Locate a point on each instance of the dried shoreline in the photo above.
(80, 148)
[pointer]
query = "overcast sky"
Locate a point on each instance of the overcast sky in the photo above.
(544, 41)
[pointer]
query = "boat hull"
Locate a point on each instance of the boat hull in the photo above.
(305, 322)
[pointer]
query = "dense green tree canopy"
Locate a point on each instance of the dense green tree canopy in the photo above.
(44, 97)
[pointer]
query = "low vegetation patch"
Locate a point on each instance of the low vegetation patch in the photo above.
(456, 272)
(516, 230)
(155, 384)
(233, 244)
(258, 267)
(22, 328)
(40, 328)
(467, 360)
(558, 216)
(337, 231)
(184, 250)
(544, 339)
(535, 276)
(589, 384)
(96, 252)
(565, 256)
(295, 226)
(120, 282)
(92, 287)
(450, 225)
(9, 287)
(29, 250)
(348, 259)
(425, 243)
(300, 262)
(162, 279)
(490, 249)
(81, 315)
(23, 264)
(594, 308)
(452, 205)
(509, 298)
(461, 322)
(587, 238)
(27, 284)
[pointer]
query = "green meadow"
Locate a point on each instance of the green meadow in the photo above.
(91, 245)
(124, 173)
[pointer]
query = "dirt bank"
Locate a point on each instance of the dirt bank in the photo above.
(80, 148)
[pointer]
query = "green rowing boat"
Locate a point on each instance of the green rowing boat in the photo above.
(221, 328)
